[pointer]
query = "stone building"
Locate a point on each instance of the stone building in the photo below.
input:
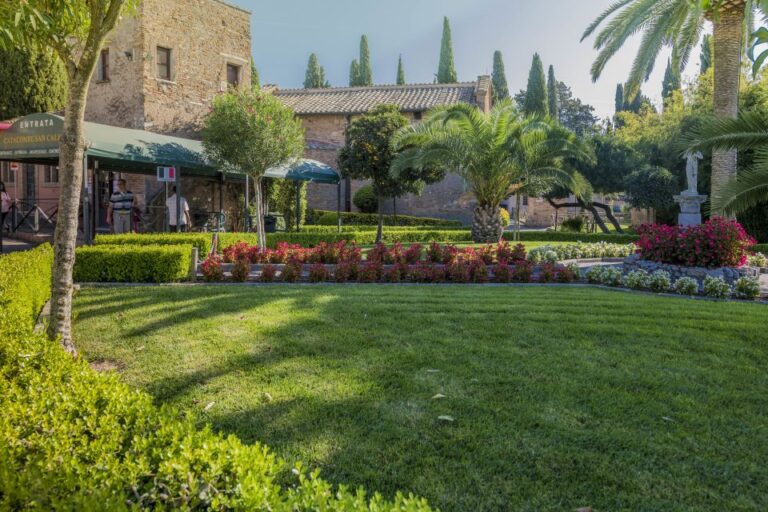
(326, 113)
(158, 71)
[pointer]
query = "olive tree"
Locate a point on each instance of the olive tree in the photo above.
(75, 30)
(251, 131)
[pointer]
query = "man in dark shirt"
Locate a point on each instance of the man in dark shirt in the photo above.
(120, 208)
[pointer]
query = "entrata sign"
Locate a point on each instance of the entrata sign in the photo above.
(36, 135)
(166, 174)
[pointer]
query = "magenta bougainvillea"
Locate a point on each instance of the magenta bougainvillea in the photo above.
(718, 242)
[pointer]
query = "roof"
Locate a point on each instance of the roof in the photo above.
(358, 100)
(305, 169)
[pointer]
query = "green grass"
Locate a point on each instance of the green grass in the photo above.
(563, 397)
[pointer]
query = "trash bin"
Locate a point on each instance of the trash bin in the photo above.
(270, 223)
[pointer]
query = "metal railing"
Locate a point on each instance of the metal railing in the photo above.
(33, 216)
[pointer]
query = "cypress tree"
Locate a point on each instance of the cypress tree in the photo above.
(446, 71)
(31, 81)
(354, 73)
(400, 71)
(619, 102)
(255, 79)
(536, 92)
(705, 57)
(552, 99)
(365, 74)
(671, 81)
(499, 78)
(314, 78)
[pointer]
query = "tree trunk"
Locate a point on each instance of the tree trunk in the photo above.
(261, 234)
(486, 225)
(71, 149)
(518, 205)
(727, 34)
(380, 227)
(608, 213)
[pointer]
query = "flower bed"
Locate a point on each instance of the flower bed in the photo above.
(579, 250)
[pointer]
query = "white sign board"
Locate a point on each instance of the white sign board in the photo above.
(166, 174)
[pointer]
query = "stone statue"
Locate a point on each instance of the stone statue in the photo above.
(692, 171)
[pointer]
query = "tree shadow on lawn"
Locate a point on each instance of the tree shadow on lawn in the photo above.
(567, 431)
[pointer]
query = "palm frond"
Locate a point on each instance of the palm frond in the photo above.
(749, 189)
(748, 131)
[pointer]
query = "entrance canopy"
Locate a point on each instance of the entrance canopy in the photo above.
(305, 169)
(35, 138)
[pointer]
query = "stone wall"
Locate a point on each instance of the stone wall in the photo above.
(729, 274)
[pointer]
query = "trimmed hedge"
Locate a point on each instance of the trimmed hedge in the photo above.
(329, 218)
(200, 240)
(74, 439)
(763, 248)
(229, 239)
(560, 236)
(25, 285)
(133, 263)
(346, 229)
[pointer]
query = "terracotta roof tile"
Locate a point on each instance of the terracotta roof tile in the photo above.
(357, 100)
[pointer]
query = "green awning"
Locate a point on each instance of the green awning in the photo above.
(305, 169)
(36, 138)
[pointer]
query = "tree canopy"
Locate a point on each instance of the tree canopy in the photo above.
(314, 78)
(400, 71)
(446, 70)
(553, 100)
(32, 80)
(499, 78)
(536, 102)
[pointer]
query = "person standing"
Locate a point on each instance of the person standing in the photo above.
(184, 220)
(120, 209)
(5, 205)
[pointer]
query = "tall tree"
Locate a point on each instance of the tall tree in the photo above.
(252, 131)
(446, 70)
(671, 81)
(619, 99)
(552, 97)
(400, 71)
(75, 30)
(679, 23)
(365, 73)
(314, 78)
(499, 78)
(497, 153)
(575, 115)
(255, 79)
(31, 81)
(705, 57)
(354, 73)
(536, 93)
(368, 155)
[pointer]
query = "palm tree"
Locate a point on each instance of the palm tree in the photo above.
(679, 24)
(489, 151)
(748, 132)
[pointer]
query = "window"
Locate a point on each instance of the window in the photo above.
(8, 175)
(102, 71)
(50, 175)
(233, 75)
(163, 63)
(417, 116)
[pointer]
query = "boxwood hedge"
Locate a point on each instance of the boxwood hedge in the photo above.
(133, 263)
(763, 248)
(200, 240)
(329, 218)
(75, 439)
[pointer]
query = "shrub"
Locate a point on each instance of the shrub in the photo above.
(458, 272)
(318, 273)
(329, 218)
(227, 239)
(574, 224)
(718, 242)
(581, 250)
(133, 263)
(637, 280)
(746, 288)
(659, 281)
(502, 272)
(238, 251)
(763, 248)
(547, 273)
(426, 273)
(504, 214)
(522, 272)
(757, 260)
(609, 276)
(345, 271)
(268, 273)
(291, 271)
(211, 268)
(479, 271)
(396, 273)
(686, 286)
(370, 272)
(716, 287)
(595, 275)
(568, 273)
(240, 270)
(200, 240)
(365, 199)
(25, 285)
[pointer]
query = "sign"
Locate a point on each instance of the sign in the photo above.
(36, 135)
(166, 174)
(14, 166)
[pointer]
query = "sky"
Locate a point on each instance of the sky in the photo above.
(287, 31)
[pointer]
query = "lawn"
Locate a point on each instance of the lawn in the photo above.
(560, 397)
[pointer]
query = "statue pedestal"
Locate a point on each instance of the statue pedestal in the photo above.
(690, 208)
